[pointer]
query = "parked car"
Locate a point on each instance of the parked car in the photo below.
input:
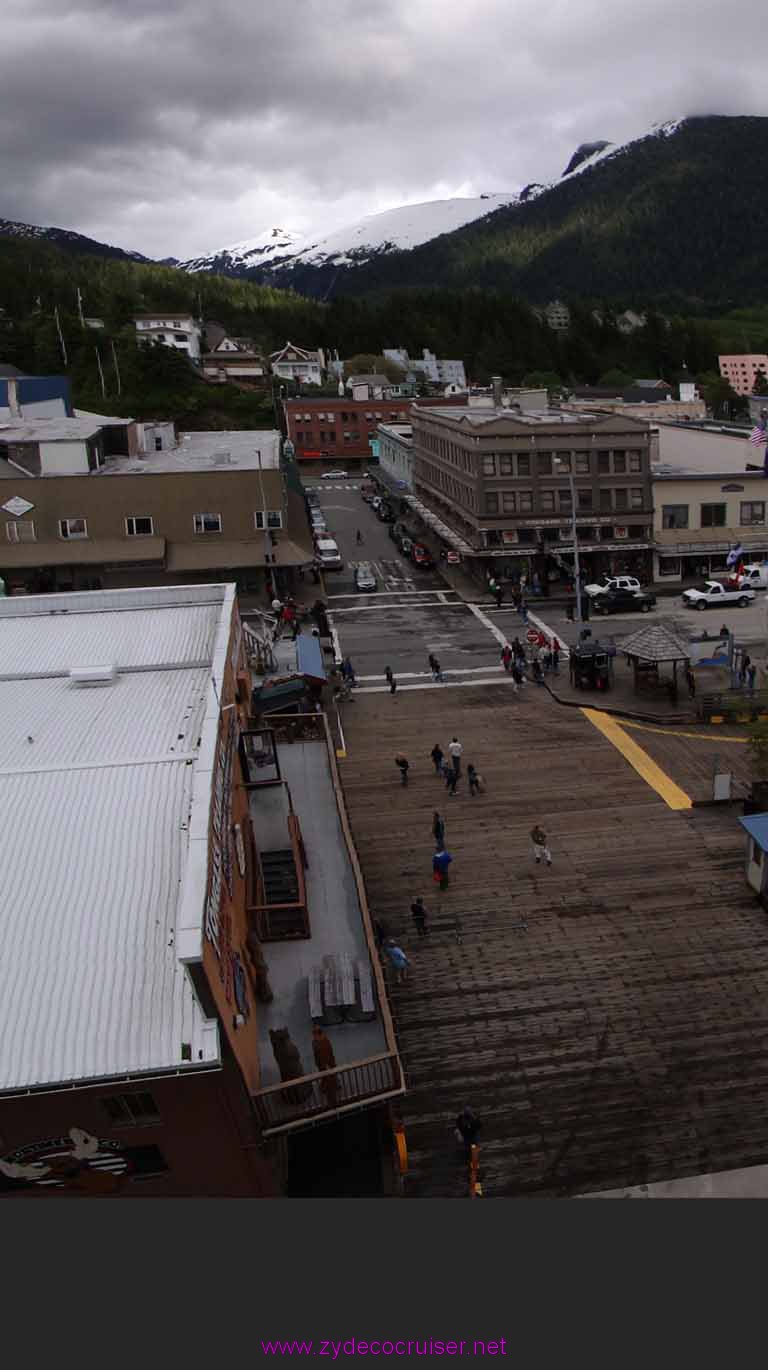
(712, 592)
(328, 554)
(320, 530)
(312, 498)
(334, 475)
(421, 556)
(375, 502)
(385, 512)
(396, 531)
(623, 602)
(612, 583)
(405, 544)
(365, 580)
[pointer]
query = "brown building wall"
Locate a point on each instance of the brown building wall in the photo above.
(203, 1143)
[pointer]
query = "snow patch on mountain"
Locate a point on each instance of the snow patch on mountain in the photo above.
(397, 230)
(266, 248)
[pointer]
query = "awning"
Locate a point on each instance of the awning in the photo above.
(83, 552)
(310, 657)
(442, 529)
(215, 553)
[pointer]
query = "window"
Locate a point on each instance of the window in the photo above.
(621, 499)
(636, 497)
(489, 464)
(584, 499)
(562, 463)
(752, 511)
(19, 532)
(136, 527)
(274, 518)
(605, 500)
(180, 337)
(544, 463)
(674, 516)
(713, 515)
(130, 1110)
(509, 502)
(547, 501)
(505, 464)
(620, 463)
(525, 501)
(604, 463)
(564, 497)
(207, 523)
(158, 444)
(524, 465)
(491, 504)
(73, 528)
(635, 462)
(582, 463)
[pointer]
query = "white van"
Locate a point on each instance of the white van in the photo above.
(328, 554)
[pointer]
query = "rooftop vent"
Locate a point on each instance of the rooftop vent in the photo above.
(93, 675)
(223, 458)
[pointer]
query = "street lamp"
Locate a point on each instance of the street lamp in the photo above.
(567, 464)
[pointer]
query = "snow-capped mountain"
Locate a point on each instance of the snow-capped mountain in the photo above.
(273, 245)
(66, 237)
(394, 230)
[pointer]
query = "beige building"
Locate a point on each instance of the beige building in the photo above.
(502, 486)
(741, 370)
(706, 501)
(216, 507)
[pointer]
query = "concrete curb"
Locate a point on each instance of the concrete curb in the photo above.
(673, 720)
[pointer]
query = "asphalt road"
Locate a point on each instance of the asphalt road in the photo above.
(748, 625)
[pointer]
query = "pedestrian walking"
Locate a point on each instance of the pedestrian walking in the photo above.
(467, 1130)
(517, 674)
(524, 611)
(315, 569)
(539, 842)
(437, 759)
(434, 666)
(419, 916)
(498, 595)
(348, 671)
(438, 831)
(403, 766)
(390, 679)
(751, 673)
(381, 931)
(440, 863)
(690, 681)
(359, 538)
(474, 780)
(556, 650)
(397, 959)
(506, 656)
(451, 780)
(538, 674)
(746, 662)
(455, 748)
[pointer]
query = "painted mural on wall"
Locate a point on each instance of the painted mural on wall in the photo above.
(78, 1162)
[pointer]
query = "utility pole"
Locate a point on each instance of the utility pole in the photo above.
(117, 369)
(61, 336)
(576, 562)
(80, 307)
(101, 374)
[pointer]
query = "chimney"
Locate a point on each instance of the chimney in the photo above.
(13, 398)
(496, 383)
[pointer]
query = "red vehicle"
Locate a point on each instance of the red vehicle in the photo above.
(421, 556)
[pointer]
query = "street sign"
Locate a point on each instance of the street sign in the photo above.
(532, 635)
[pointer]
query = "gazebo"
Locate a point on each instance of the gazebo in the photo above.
(653, 646)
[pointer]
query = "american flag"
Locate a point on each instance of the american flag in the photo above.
(758, 436)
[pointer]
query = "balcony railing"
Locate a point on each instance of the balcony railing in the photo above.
(280, 1108)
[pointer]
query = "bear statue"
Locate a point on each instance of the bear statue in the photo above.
(289, 1061)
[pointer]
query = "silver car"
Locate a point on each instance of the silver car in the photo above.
(365, 580)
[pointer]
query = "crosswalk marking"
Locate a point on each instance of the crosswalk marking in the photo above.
(331, 486)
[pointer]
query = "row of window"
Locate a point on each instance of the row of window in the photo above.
(343, 416)
(617, 461)
(559, 501)
(138, 526)
(751, 515)
(329, 435)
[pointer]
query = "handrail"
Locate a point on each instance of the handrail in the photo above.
(326, 1093)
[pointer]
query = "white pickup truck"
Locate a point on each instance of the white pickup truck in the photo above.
(712, 592)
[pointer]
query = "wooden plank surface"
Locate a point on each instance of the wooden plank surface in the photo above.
(624, 1037)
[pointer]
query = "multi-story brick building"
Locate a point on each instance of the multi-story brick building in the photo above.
(332, 429)
(501, 483)
(217, 506)
(741, 370)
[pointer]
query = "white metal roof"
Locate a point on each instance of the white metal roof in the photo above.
(228, 450)
(99, 788)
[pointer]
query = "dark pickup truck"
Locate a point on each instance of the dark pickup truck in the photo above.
(623, 602)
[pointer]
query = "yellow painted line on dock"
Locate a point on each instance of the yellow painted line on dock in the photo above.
(640, 761)
(670, 732)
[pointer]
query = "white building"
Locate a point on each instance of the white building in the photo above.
(181, 331)
(396, 451)
(438, 370)
(297, 364)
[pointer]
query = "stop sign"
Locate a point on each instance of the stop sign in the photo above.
(532, 635)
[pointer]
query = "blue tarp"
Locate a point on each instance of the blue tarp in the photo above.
(310, 657)
(757, 827)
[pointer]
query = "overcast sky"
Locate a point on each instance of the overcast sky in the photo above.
(179, 126)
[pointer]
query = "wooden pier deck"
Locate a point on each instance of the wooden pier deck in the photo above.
(623, 1037)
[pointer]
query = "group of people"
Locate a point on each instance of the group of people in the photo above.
(449, 768)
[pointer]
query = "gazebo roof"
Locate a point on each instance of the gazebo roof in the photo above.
(656, 643)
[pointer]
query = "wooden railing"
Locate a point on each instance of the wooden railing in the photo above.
(735, 706)
(283, 922)
(280, 1108)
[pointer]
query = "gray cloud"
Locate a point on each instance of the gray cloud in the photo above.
(175, 129)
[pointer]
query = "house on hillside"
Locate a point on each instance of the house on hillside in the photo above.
(181, 331)
(298, 364)
(231, 358)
